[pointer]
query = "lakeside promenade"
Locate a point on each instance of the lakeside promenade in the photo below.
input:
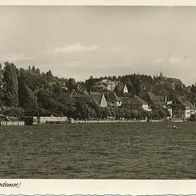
(72, 121)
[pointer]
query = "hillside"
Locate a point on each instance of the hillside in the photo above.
(30, 92)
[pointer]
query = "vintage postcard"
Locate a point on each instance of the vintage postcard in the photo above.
(97, 98)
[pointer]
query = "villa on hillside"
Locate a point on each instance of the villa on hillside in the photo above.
(110, 85)
(104, 85)
(98, 87)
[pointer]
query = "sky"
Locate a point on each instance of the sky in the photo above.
(84, 41)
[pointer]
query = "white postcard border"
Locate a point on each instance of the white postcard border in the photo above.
(100, 187)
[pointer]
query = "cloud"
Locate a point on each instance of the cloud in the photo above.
(170, 59)
(77, 47)
(15, 57)
(158, 60)
(174, 60)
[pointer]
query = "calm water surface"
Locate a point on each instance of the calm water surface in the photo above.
(101, 151)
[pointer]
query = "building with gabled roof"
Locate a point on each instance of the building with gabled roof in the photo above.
(98, 87)
(192, 107)
(121, 89)
(112, 99)
(83, 98)
(153, 100)
(99, 98)
(110, 85)
(135, 103)
(104, 85)
(181, 108)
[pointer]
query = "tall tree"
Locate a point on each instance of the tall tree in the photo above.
(71, 83)
(33, 69)
(49, 76)
(37, 71)
(27, 99)
(10, 81)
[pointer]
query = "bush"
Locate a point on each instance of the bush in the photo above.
(14, 111)
(193, 117)
(28, 120)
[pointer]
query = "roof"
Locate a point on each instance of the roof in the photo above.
(105, 81)
(189, 104)
(97, 97)
(140, 100)
(83, 98)
(154, 99)
(134, 101)
(120, 87)
(179, 99)
(98, 88)
(112, 97)
(96, 93)
(185, 103)
(99, 85)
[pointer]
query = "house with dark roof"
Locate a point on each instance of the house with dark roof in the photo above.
(99, 99)
(110, 85)
(153, 100)
(121, 89)
(98, 87)
(83, 98)
(135, 103)
(180, 107)
(192, 107)
(104, 85)
(95, 97)
(112, 99)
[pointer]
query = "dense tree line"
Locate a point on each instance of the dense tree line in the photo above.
(32, 92)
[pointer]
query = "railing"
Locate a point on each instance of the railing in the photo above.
(12, 123)
(104, 121)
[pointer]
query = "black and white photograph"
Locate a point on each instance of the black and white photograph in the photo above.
(97, 92)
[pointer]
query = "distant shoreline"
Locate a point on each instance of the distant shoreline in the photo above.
(120, 121)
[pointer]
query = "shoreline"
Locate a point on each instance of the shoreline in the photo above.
(121, 121)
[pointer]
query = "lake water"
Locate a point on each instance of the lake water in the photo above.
(99, 151)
